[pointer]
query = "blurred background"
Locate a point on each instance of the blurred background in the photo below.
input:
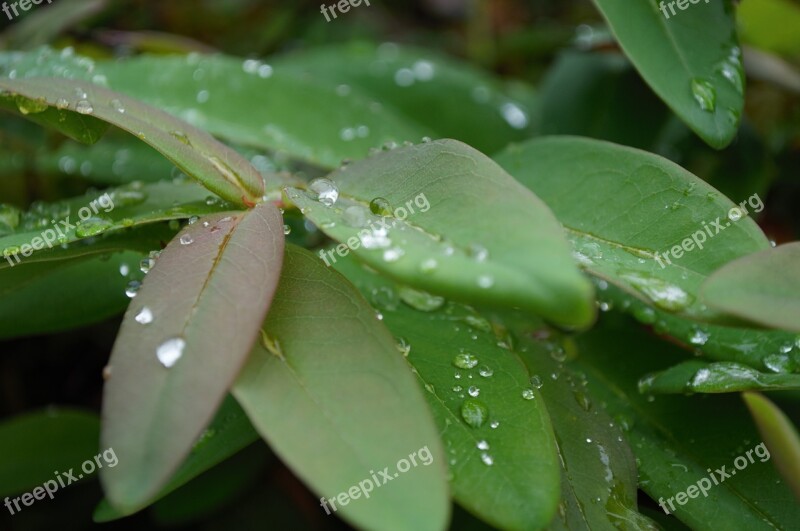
(555, 55)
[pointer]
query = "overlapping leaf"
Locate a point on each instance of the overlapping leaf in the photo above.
(326, 361)
(183, 341)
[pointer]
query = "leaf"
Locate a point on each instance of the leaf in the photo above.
(326, 361)
(599, 95)
(34, 445)
(44, 25)
(471, 105)
(676, 439)
(182, 342)
(86, 222)
(780, 436)
(624, 209)
(770, 25)
(514, 482)
(701, 377)
(229, 433)
(218, 167)
(764, 350)
(598, 472)
(762, 287)
(253, 104)
(434, 193)
(92, 289)
(691, 60)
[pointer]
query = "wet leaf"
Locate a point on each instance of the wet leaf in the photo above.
(724, 377)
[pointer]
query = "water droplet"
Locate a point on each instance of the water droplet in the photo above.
(699, 337)
(457, 388)
(474, 412)
(132, 288)
(393, 255)
(663, 294)
(118, 106)
(84, 107)
(355, 216)
(186, 239)
(92, 227)
(704, 94)
(583, 400)
(62, 104)
(325, 191)
(465, 360)
(420, 300)
(735, 214)
(732, 74)
(428, 266)
(477, 252)
(487, 459)
(181, 137)
(514, 115)
(536, 381)
(124, 270)
(780, 363)
(494, 424)
(482, 445)
(485, 281)
(287, 230)
(485, 371)
(31, 106)
(473, 391)
(528, 394)
(145, 316)
(380, 207)
(170, 351)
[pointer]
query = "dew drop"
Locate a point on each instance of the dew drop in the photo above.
(474, 412)
(528, 394)
(536, 381)
(482, 445)
(186, 239)
(132, 288)
(485, 371)
(420, 300)
(487, 459)
(325, 191)
(704, 94)
(380, 207)
(465, 360)
(145, 316)
(473, 391)
(170, 351)
(84, 107)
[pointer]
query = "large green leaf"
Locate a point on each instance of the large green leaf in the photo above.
(92, 289)
(37, 446)
(771, 25)
(763, 287)
(447, 214)
(254, 104)
(469, 104)
(624, 209)
(326, 361)
(229, 433)
(182, 342)
(218, 167)
(692, 60)
(780, 436)
(501, 452)
(676, 439)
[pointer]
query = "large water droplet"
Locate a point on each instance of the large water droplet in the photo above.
(325, 191)
(528, 394)
(145, 316)
(420, 300)
(474, 412)
(84, 107)
(31, 106)
(465, 360)
(170, 351)
(92, 227)
(380, 207)
(186, 239)
(663, 294)
(704, 94)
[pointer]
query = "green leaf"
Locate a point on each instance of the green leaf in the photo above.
(92, 289)
(218, 167)
(253, 104)
(763, 287)
(599, 95)
(625, 209)
(691, 60)
(449, 209)
(44, 25)
(84, 223)
(513, 482)
(676, 439)
(765, 350)
(471, 106)
(598, 483)
(726, 377)
(36, 445)
(771, 25)
(326, 361)
(182, 342)
(780, 436)
(229, 433)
